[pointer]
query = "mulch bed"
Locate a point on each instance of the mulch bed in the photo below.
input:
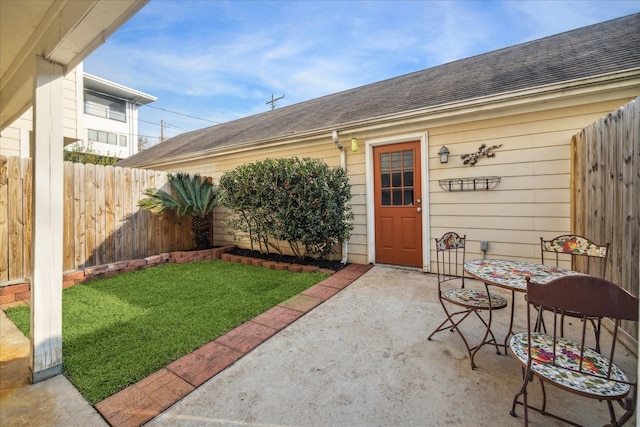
(331, 265)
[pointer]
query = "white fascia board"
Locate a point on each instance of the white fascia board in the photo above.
(117, 90)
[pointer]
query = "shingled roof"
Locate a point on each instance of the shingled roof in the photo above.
(599, 49)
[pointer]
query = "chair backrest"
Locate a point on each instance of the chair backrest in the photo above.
(594, 256)
(450, 255)
(590, 296)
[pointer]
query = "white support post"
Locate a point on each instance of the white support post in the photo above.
(46, 278)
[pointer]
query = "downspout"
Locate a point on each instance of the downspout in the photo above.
(343, 164)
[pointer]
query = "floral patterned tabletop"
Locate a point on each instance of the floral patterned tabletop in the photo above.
(511, 274)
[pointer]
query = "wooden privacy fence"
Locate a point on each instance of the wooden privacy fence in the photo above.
(606, 192)
(102, 221)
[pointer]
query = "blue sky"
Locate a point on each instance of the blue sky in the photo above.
(222, 60)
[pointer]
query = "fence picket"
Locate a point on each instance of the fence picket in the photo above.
(90, 215)
(27, 209)
(79, 215)
(68, 227)
(100, 249)
(143, 216)
(109, 213)
(16, 222)
(4, 221)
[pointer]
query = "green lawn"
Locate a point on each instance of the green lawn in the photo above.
(118, 330)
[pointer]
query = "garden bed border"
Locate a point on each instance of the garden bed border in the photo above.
(20, 293)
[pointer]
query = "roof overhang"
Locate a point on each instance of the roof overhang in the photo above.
(61, 31)
(107, 87)
(454, 112)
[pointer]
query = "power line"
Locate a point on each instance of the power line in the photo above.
(175, 127)
(165, 124)
(151, 123)
(181, 114)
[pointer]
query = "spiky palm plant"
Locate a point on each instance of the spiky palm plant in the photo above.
(195, 197)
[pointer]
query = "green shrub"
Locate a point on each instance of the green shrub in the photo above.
(301, 202)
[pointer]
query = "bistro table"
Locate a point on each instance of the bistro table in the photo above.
(511, 275)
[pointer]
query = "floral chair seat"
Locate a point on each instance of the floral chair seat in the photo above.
(565, 370)
(474, 298)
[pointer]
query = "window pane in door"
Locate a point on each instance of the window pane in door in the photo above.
(386, 180)
(385, 164)
(386, 197)
(397, 197)
(407, 159)
(408, 197)
(396, 179)
(396, 162)
(408, 178)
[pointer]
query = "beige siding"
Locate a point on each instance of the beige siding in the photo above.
(72, 92)
(532, 200)
(10, 142)
(10, 137)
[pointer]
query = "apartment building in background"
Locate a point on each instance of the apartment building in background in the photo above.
(99, 116)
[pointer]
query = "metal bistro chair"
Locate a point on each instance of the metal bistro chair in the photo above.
(450, 251)
(594, 257)
(570, 364)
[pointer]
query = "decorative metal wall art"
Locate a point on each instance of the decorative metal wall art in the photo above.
(483, 151)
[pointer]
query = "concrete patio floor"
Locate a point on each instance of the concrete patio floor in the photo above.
(361, 358)
(54, 402)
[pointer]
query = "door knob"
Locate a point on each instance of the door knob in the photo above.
(419, 209)
(418, 201)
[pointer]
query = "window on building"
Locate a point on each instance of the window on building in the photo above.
(104, 106)
(107, 137)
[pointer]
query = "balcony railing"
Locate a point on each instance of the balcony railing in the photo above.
(104, 112)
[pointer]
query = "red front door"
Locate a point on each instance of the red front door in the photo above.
(398, 207)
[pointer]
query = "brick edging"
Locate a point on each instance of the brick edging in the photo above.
(22, 291)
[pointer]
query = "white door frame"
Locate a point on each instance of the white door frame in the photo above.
(424, 167)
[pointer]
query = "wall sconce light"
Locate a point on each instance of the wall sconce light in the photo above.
(443, 154)
(354, 144)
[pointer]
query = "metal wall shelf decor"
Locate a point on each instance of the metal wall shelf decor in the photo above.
(477, 183)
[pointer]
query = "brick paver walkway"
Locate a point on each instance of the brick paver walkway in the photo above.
(148, 398)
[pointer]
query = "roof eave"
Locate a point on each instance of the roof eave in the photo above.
(538, 94)
(108, 87)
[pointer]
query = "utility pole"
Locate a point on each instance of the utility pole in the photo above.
(161, 130)
(274, 101)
